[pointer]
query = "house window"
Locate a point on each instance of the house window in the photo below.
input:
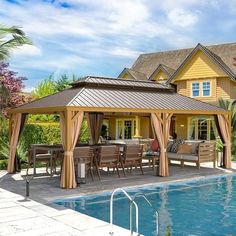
(202, 128)
(206, 88)
(195, 89)
(125, 128)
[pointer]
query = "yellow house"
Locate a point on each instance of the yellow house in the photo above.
(203, 73)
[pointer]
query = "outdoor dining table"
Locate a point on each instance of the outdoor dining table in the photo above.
(50, 148)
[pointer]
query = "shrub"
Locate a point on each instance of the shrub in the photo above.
(168, 231)
(49, 133)
(84, 133)
(46, 133)
(3, 164)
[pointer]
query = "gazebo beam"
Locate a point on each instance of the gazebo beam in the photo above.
(141, 110)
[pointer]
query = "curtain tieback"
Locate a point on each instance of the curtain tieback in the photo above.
(68, 153)
(163, 149)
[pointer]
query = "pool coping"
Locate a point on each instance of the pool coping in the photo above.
(129, 188)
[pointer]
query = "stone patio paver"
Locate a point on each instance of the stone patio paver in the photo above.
(22, 217)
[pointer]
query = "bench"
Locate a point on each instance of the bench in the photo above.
(206, 153)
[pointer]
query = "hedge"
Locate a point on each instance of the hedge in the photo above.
(48, 133)
(35, 133)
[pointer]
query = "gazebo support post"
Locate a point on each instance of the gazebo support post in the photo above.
(68, 172)
(228, 118)
(161, 125)
(224, 128)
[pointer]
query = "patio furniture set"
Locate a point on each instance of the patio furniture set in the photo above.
(121, 156)
(94, 156)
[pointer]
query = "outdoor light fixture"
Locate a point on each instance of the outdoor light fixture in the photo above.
(81, 171)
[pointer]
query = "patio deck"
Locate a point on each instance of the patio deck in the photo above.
(46, 189)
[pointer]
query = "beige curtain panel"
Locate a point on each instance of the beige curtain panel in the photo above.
(14, 137)
(161, 125)
(62, 128)
(226, 135)
(95, 125)
(70, 129)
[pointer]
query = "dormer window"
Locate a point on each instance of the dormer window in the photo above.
(201, 89)
(195, 89)
(206, 88)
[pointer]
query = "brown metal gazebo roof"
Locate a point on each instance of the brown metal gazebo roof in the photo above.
(118, 95)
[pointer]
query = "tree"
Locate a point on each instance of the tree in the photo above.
(10, 39)
(62, 83)
(11, 86)
(45, 88)
(48, 87)
(230, 105)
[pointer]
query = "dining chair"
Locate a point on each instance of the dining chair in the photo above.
(107, 156)
(85, 153)
(40, 156)
(132, 157)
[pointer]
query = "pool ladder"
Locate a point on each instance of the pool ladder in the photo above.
(132, 203)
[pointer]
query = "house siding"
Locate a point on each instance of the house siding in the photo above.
(112, 128)
(232, 90)
(223, 88)
(127, 76)
(200, 66)
(144, 127)
(160, 76)
(181, 126)
(181, 87)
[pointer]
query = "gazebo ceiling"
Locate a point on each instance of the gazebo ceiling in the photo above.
(118, 95)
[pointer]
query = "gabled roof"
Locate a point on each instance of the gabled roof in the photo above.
(223, 53)
(165, 69)
(211, 55)
(135, 74)
(118, 95)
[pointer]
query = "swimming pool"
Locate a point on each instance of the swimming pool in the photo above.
(200, 207)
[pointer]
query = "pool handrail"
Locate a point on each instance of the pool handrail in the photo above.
(132, 202)
(150, 204)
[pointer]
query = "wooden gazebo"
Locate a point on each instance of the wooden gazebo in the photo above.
(93, 96)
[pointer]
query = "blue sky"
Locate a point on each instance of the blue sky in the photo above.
(101, 37)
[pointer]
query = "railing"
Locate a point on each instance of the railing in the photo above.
(132, 202)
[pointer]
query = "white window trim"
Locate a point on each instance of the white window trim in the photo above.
(123, 127)
(209, 119)
(210, 88)
(201, 89)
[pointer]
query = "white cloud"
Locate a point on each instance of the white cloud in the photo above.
(51, 64)
(90, 33)
(28, 50)
(28, 89)
(124, 52)
(182, 18)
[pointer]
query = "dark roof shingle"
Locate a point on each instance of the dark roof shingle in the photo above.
(148, 63)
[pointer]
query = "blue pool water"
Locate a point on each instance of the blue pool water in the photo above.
(202, 207)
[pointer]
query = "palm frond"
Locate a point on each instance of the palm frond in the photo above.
(11, 38)
(4, 30)
(230, 105)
